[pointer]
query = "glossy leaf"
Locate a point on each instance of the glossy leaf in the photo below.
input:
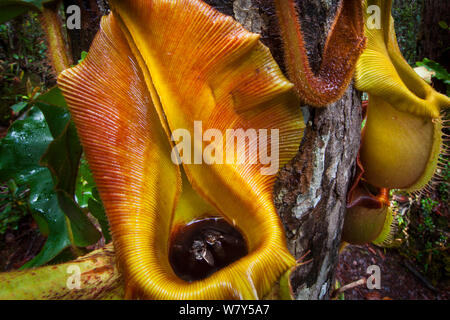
(48, 138)
(19, 106)
(62, 158)
(85, 184)
(97, 209)
(21, 151)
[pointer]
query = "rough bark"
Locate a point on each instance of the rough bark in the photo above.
(91, 13)
(310, 194)
(433, 39)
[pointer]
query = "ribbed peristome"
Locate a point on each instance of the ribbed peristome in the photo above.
(157, 66)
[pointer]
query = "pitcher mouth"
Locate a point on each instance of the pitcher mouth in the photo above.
(125, 115)
(204, 246)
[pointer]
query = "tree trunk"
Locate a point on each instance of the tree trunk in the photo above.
(91, 12)
(434, 40)
(310, 193)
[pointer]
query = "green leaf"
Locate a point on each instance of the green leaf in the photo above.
(84, 232)
(85, 184)
(443, 25)
(10, 9)
(20, 152)
(98, 211)
(6, 210)
(62, 158)
(23, 146)
(12, 186)
(10, 12)
(53, 97)
(88, 197)
(83, 55)
(48, 137)
(440, 72)
(19, 106)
